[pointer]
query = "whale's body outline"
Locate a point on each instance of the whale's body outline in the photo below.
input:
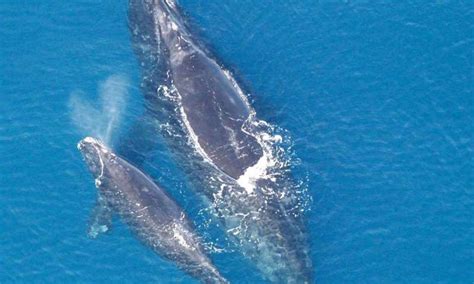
(175, 68)
(155, 218)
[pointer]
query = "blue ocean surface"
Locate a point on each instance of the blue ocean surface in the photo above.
(377, 97)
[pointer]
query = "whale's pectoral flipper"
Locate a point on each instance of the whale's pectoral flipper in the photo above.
(101, 218)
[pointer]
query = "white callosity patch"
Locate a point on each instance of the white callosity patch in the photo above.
(100, 149)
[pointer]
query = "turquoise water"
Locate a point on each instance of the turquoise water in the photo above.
(377, 97)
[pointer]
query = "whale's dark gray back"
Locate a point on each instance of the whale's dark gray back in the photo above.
(216, 114)
(157, 220)
(211, 109)
(213, 106)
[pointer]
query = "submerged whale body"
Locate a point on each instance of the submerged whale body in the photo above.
(153, 216)
(215, 134)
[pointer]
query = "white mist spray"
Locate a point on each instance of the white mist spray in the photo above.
(102, 118)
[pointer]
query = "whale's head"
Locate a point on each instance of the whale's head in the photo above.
(96, 155)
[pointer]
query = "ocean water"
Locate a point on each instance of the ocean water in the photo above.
(376, 95)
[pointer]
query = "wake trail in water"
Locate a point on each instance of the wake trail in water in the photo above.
(100, 116)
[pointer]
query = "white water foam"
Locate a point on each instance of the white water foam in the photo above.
(269, 160)
(259, 129)
(277, 156)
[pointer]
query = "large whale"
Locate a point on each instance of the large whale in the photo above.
(212, 129)
(214, 106)
(153, 216)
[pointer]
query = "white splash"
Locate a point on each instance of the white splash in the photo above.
(254, 173)
(268, 161)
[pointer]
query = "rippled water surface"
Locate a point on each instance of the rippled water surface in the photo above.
(377, 97)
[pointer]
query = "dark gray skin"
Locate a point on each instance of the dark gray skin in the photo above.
(213, 112)
(154, 217)
(214, 106)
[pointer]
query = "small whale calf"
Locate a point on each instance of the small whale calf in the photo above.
(153, 216)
